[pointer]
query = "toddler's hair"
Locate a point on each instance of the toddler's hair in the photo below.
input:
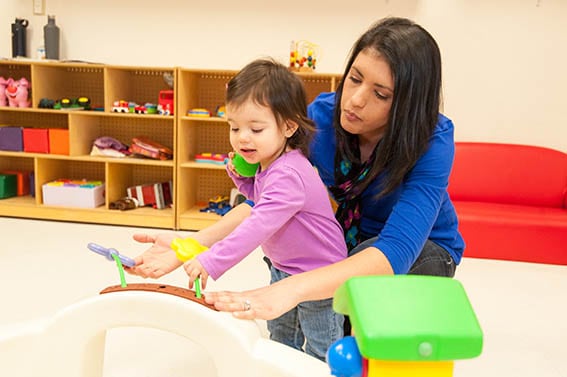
(269, 83)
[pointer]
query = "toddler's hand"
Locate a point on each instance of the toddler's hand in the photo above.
(194, 269)
(230, 164)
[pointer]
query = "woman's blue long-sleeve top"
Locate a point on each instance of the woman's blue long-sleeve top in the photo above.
(418, 210)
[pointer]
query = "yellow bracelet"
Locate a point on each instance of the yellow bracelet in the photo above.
(187, 248)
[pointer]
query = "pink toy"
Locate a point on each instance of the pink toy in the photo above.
(17, 92)
(3, 85)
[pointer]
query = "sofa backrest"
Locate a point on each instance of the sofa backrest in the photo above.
(509, 174)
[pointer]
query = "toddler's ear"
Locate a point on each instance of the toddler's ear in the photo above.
(291, 127)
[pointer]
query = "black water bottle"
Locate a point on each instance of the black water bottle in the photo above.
(19, 37)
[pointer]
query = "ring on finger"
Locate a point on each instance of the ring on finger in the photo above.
(247, 305)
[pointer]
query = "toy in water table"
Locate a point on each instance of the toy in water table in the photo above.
(404, 325)
(17, 92)
(303, 56)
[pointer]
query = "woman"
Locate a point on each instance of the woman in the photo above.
(385, 153)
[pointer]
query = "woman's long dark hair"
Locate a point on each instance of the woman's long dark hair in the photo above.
(415, 63)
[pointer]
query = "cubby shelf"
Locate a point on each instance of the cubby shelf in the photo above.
(194, 183)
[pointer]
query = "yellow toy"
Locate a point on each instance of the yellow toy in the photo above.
(187, 249)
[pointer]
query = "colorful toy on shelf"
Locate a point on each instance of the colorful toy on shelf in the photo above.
(199, 113)
(219, 205)
(69, 104)
(165, 102)
(157, 195)
(212, 158)
(17, 92)
(3, 98)
(147, 108)
(144, 146)
(404, 325)
(243, 167)
(303, 56)
(220, 111)
(120, 106)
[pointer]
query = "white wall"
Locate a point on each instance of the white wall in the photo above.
(504, 60)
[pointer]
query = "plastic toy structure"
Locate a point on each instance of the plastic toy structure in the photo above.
(73, 341)
(404, 325)
(303, 56)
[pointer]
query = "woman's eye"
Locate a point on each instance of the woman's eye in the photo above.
(233, 129)
(257, 131)
(381, 96)
(354, 79)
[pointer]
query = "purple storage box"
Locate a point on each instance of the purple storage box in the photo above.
(11, 139)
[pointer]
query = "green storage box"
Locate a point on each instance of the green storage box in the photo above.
(8, 185)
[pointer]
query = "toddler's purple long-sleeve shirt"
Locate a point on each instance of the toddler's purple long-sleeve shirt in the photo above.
(292, 220)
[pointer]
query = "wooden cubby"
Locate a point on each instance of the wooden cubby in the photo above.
(193, 183)
(102, 85)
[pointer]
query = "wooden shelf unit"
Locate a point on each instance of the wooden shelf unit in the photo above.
(103, 85)
(194, 183)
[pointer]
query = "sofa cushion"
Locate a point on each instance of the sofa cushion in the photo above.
(513, 232)
(509, 174)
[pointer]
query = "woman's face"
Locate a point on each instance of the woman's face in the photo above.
(367, 96)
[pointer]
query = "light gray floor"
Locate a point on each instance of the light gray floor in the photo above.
(45, 266)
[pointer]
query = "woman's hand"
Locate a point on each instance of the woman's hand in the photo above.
(158, 260)
(194, 269)
(263, 303)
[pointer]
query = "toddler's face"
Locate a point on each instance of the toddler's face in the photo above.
(255, 133)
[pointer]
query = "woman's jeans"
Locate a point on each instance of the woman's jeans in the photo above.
(313, 323)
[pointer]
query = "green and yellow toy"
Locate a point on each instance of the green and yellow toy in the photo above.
(404, 325)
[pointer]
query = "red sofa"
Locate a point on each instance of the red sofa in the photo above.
(511, 201)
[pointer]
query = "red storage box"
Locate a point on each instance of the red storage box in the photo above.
(23, 181)
(36, 140)
(59, 141)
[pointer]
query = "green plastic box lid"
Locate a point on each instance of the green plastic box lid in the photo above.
(410, 317)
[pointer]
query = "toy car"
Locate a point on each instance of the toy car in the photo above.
(120, 106)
